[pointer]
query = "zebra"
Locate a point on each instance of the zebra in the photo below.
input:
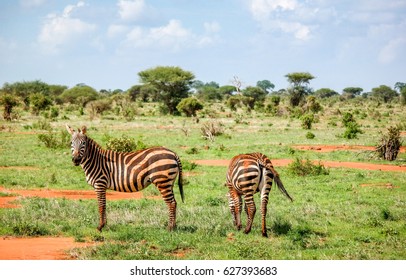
(248, 174)
(126, 172)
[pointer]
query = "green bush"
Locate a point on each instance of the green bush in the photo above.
(307, 121)
(351, 131)
(50, 139)
(352, 127)
(301, 167)
(189, 106)
(310, 135)
(123, 144)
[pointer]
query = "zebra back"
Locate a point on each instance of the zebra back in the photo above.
(262, 161)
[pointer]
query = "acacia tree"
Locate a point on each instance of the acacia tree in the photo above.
(299, 82)
(384, 93)
(351, 92)
(9, 102)
(171, 83)
(266, 85)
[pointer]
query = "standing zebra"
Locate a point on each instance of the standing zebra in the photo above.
(248, 174)
(126, 172)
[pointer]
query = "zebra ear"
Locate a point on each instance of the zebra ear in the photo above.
(84, 129)
(69, 129)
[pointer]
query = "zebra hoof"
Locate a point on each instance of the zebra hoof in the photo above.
(264, 234)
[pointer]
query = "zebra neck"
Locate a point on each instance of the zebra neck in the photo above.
(94, 153)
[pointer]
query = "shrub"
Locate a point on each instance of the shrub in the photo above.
(310, 135)
(211, 129)
(351, 131)
(123, 144)
(50, 139)
(306, 167)
(390, 144)
(352, 127)
(307, 121)
(9, 102)
(189, 106)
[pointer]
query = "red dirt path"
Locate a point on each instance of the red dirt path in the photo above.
(331, 148)
(337, 164)
(47, 248)
(37, 248)
(9, 201)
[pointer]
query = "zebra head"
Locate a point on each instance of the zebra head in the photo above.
(78, 144)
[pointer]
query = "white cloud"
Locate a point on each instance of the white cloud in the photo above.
(287, 16)
(170, 37)
(131, 10)
(59, 30)
(391, 50)
(261, 9)
(300, 31)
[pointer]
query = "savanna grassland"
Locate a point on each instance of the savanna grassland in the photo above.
(339, 213)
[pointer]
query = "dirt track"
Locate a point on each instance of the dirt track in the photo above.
(336, 164)
(37, 248)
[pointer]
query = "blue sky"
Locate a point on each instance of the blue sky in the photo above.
(106, 43)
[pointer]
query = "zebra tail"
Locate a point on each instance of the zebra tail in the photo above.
(279, 183)
(180, 179)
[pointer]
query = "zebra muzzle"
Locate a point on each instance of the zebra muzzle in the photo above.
(76, 161)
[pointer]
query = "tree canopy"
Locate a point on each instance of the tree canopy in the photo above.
(172, 84)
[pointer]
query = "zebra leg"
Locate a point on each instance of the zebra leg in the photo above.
(169, 198)
(251, 209)
(236, 211)
(264, 205)
(231, 206)
(101, 199)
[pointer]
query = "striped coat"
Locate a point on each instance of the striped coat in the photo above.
(248, 174)
(127, 172)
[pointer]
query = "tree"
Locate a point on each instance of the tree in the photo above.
(25, 89)
(172, 84)
(208, 93)
(257, 93)
(265, 85)
(400, 86)
(39, 102)
(226, 91)
(80, 95)
(299, 82)
(384, 93)
(325, 93)
(9, 102)
(351, 92)
(403, 96)
(189, 106)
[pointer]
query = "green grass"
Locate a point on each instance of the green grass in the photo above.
(332, 217)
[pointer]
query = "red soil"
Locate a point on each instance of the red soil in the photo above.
(338, 164)
(7, 201)
(37, 248)
(47, 248)
(331, 148)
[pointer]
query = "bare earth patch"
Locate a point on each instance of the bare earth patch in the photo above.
(47, 248)
(326, 163)
(331, 148)
(38, 248)
(9, 201)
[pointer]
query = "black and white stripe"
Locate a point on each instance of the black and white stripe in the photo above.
(248, 174)
(127, 172)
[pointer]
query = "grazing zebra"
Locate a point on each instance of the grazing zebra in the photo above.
(248, 174)
(126, 172)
